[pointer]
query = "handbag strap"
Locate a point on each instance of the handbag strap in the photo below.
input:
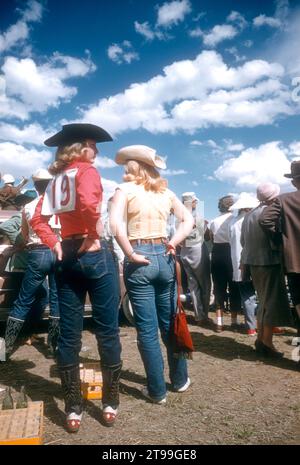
(179, 284)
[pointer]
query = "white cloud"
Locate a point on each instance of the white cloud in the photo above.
(168, 15)
(294, 149)
(248, 43)
(266, 163)
(130, 56)
(109, 188)
(213, 146)
(173, 172)
(234, 147)
(10, 107)
(234, 51)
(227, 146)
(122, 53)
(263, 20)
(33, 12)
(211, 143)
(282, 10)
(195, 183)
(250, 107)
(196, 32)
(286, 48)
(16, 33)
(145, 30)
(19, 32)
(26, 87)
(72, 67)
(199, 16)
(238, 19)
(31, 134)
(150, 34)
(280, 19)
(192, 94)
(104, 162)
(19, 161)
(172, 13)
(221, 32)
(114, 51)
(218, 34)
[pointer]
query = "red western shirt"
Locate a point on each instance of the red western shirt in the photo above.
(84, 218)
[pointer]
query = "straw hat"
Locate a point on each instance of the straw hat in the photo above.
(245, 200)
(41, 175)
(139, 153)
(189, 197)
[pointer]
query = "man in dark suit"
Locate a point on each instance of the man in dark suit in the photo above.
(281, 220)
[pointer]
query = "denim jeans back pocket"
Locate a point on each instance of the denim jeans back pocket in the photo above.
(37, 260)
(93, 264)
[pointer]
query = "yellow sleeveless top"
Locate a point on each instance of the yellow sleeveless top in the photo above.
(147, 211)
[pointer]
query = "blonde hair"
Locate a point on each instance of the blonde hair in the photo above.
(146, 175)
(65, 155)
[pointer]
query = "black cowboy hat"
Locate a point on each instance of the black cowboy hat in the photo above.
(77, 132)
(295, 170)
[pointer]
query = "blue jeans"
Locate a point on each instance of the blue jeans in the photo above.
(248, 298)
(40, 264)
(151, 289)
(93, 273)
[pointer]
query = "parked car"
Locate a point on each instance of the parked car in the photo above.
(10, 281)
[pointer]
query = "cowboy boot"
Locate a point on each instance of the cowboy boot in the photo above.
(53, 333)
(110, 393)
(70, 382)
(13, 328)
(220, 322)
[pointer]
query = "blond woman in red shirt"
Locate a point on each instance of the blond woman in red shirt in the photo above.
(85, 264)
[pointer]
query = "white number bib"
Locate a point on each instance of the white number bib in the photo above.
(54, 222)
(60, 196)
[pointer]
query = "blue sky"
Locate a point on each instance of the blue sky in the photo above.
(213, 86)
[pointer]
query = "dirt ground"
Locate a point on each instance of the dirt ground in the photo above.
(235, 398)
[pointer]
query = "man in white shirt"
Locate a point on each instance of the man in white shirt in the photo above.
(195, 259)
(242, 206)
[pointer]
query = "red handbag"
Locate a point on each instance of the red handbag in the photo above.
(181, 338)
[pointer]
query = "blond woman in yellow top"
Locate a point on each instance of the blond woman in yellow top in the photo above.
(140, 210)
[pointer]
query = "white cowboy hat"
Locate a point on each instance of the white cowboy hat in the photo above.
(139, 153)
(8, 179)
(245, 200)
(189, 196)
(41, 174)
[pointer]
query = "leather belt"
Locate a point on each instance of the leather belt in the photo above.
(156, 240)
(75, 236)
(36, 247)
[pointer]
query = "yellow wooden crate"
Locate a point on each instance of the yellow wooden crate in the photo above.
(22, 426)
(91, 381)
